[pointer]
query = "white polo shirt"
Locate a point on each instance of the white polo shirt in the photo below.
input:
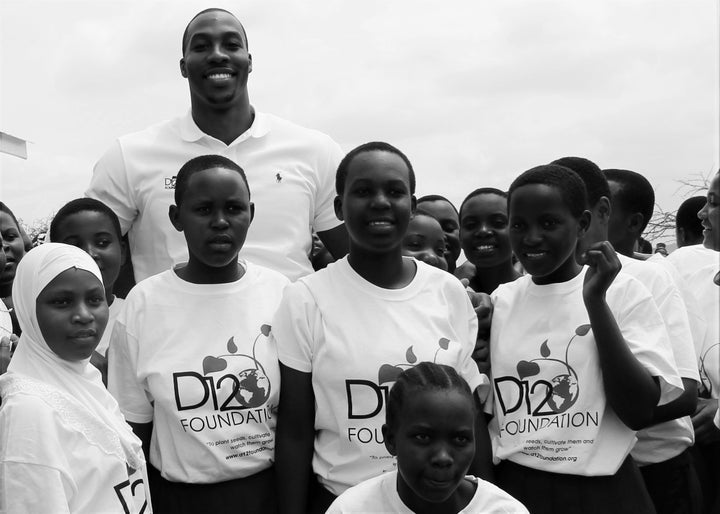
(290, 169)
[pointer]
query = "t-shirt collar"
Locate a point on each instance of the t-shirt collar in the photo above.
(190, 132)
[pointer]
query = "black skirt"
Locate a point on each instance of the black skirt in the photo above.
(543, 492)
(250, 495)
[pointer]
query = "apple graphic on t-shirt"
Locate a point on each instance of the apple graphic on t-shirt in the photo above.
(251, 386)
(563, 387)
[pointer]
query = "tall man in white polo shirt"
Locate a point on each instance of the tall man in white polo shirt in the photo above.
(290, 169)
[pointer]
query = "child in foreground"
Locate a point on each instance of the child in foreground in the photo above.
(94, 228)
(190, 359)
(345, 333)
(64, 445)
(580, 358)
(430, 428)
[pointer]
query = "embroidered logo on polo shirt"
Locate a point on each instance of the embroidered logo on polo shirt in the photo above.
(170, 182)
(278, 177)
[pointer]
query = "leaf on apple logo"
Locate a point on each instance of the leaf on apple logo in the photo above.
(265, 329)
(388, 373)
(545, 349)
(211, 364)
(444, 342)
(582, 330)
(527, 369)
(410, 356)
(231, 346)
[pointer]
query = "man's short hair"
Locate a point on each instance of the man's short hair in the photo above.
(687, 216)
(635, 193)
(205, 11)
(596, 184)
(373, 146)
(202, 163)
(566, 181)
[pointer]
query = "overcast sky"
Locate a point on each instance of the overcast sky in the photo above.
(475, 92)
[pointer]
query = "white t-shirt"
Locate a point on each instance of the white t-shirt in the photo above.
(6, 328)
(115, 308)
(50, 467)
(197, 361)
(550, 407)
(290, 169)
(698, 267)
(666, 440)
(355, 337)
(379, 495)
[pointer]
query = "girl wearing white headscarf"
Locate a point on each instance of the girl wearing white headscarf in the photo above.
(64, 445)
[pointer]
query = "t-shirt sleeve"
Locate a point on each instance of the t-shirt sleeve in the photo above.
(26, 488)
(324, 217)
(123, 381)
(674, 312)
(467, 367)
(110, 185)
(294, 327)
(644, 331)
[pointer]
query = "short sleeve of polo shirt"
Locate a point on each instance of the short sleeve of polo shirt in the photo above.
(110, 185)
(324, 216)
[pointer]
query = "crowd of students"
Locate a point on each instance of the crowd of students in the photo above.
(553, 369)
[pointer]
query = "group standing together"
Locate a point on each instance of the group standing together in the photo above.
(555, 370)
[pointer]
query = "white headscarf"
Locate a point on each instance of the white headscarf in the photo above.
(74, 389)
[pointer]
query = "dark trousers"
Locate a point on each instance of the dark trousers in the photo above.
(673, 485)
(543, 492)
(250, 495)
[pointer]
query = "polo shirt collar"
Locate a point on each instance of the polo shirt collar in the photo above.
(190, 132)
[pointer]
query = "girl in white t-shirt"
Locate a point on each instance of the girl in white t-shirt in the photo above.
(347, 331)
(64, 445)
(580, 357)
(190, 359)
(430, 429)
(93, 227)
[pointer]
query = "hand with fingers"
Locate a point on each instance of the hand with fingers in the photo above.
(7, 347)
(482, 304)
(603, 266)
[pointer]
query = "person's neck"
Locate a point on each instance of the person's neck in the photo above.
(388, 270)
(198, 273)
(224, 124)
(626, 248)
(486, 280)
(109, 296)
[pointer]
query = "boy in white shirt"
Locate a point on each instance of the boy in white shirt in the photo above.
(191, 362)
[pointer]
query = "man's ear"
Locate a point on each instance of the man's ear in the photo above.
(635, 223)
(389, 437)
(174, 215)
(584, 223)
(413, 204)
(183, 69)
(337, 203)
(603, 209)
(249, 63)
(252, 211)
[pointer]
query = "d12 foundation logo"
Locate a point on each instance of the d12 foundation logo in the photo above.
(249, 386)
(554, 391)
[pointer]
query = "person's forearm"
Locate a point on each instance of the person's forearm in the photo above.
(293, 467)
(630, 389)
(683, 406)
(482, 463)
